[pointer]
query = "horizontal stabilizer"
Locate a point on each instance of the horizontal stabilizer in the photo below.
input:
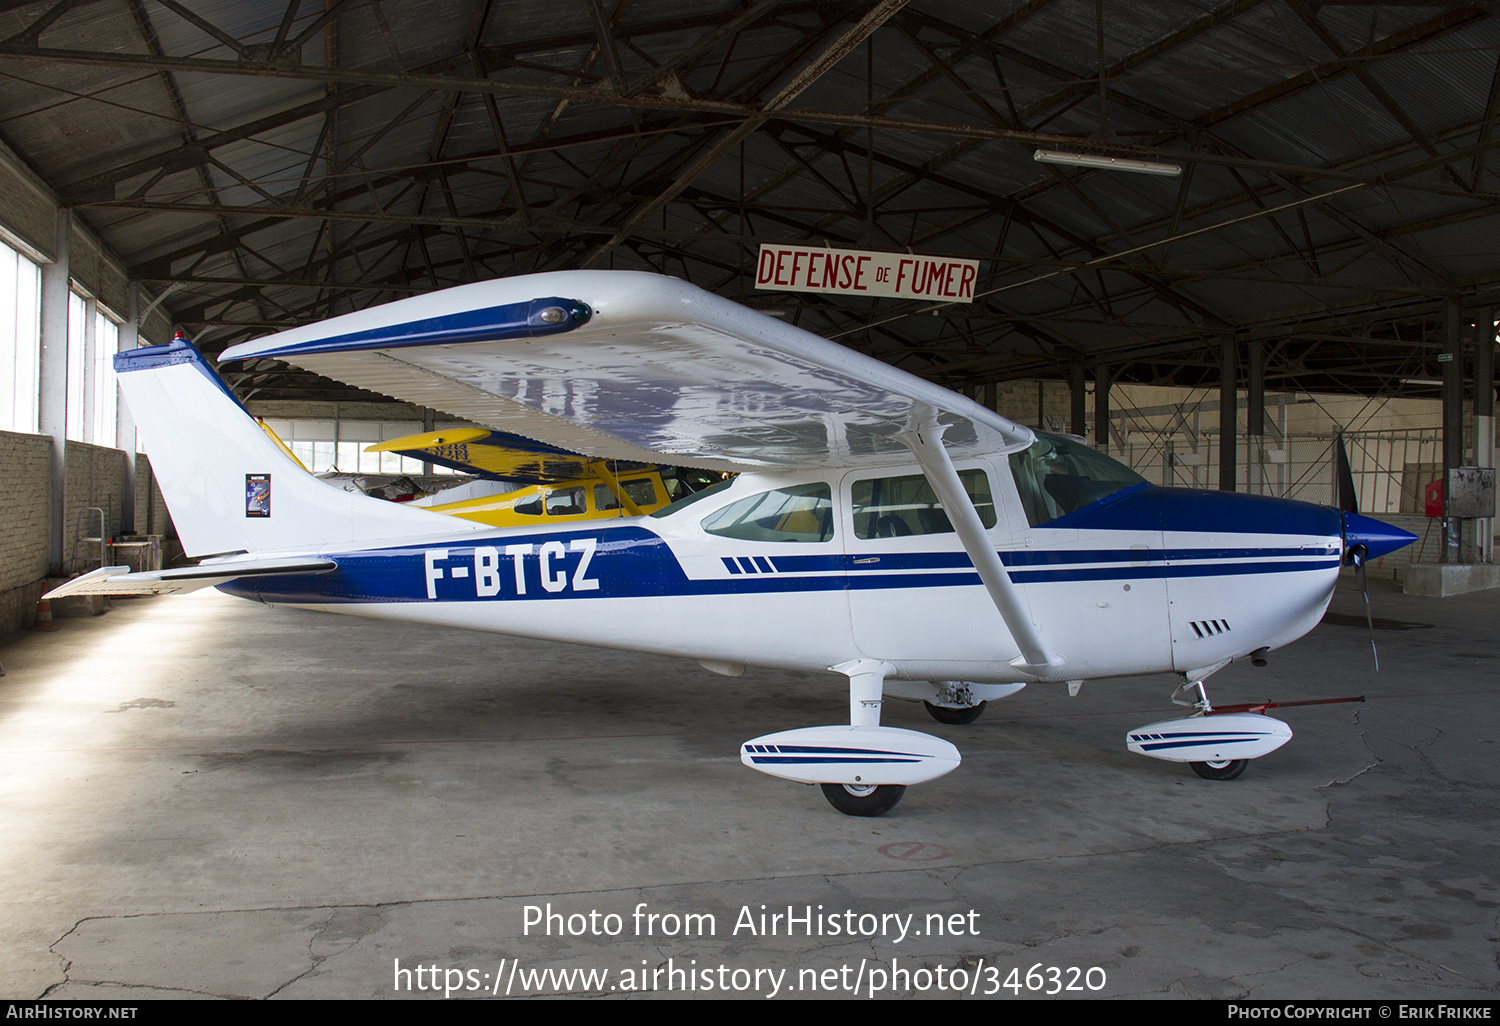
(1210, 738)
(118, 580)
(851, 755)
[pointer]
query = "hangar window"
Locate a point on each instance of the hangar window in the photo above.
(800, 514)
(105, 401)
(20, 341)
(894, 507)
(326, 446)
(92, 397)
(78, 346)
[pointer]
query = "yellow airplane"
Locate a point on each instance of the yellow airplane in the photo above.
(569, 487)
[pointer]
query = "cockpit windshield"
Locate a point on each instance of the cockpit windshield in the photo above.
(1057, 475)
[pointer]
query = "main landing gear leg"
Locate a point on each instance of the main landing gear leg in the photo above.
(863, 768)
(866, 683)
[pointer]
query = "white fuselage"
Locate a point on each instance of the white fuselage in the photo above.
(1147, 581)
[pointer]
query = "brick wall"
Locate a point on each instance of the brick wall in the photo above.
(153, 518)
(96, 477)
(25, 502)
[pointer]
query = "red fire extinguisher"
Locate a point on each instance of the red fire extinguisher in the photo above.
(1432, 498)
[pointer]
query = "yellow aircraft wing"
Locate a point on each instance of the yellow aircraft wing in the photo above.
(492, 454)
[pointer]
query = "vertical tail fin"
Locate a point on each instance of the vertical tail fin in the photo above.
(229, 486)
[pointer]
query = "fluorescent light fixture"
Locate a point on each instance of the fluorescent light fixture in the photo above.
(1103, 163)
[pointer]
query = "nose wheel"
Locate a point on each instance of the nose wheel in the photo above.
(1224, 769)
(1216, 743)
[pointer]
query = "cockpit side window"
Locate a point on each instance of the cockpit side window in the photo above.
(894, 507)
(1056, 475)
(803, 513)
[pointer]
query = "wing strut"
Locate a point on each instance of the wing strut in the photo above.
(926, 443)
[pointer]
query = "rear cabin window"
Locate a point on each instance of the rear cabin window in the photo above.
(800, 514)
(1056, 475)
(895, 507)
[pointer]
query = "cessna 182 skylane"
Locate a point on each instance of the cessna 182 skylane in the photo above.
(880, 526)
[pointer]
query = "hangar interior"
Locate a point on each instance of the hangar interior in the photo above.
(1318, 260)
(1319, 263)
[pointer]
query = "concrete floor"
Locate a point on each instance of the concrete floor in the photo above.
(203, 797)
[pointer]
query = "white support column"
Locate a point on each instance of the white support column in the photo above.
(54, 379)
(124, 421)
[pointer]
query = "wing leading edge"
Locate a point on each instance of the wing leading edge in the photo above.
(634, 366)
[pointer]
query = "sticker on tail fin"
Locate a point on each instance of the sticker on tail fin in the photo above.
(257, 495)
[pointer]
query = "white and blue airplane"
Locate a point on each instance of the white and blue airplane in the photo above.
(878, 526)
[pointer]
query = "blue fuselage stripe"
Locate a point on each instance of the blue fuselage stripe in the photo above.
(827, 760)
(629, 561)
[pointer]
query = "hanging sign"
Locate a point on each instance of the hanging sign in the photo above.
(856, 272)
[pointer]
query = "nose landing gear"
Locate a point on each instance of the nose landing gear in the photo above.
(1216, 744)
(863, 799)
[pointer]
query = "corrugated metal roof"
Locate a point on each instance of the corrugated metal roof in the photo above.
(407, 145)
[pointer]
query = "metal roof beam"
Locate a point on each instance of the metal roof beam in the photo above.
(814, 70)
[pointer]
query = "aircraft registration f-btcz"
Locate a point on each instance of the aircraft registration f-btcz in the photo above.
(879, 526)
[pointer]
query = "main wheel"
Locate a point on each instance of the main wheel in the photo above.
(943, 714)
(1225, 769)
(867, 800)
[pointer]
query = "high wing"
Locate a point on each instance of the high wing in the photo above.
(635, 366)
